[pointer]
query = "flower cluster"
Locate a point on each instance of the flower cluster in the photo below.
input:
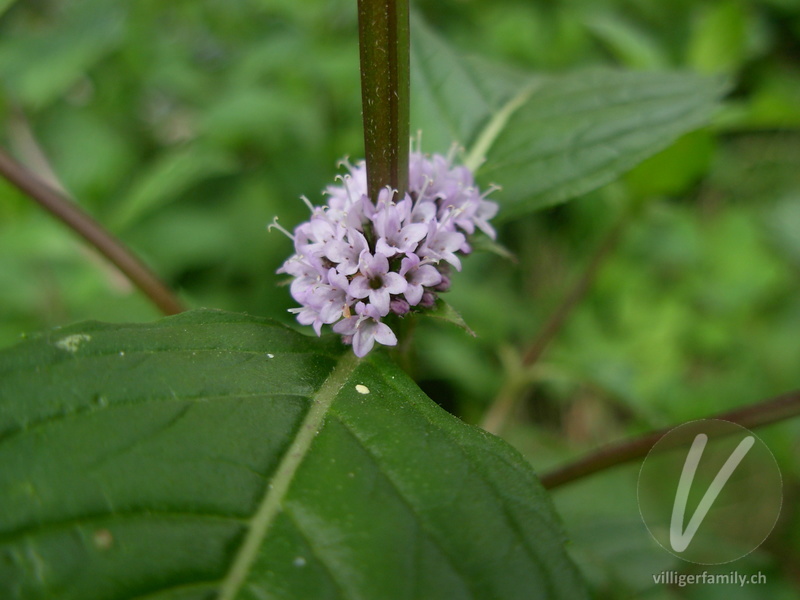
(357, 261)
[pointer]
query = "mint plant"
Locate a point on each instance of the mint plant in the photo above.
(358, 260)
(219, 455)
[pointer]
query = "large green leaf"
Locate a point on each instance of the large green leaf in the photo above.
(549, 139)
(578, 132)
(215, 455)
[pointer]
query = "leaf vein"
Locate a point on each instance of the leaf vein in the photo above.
(385, 471)
(271, 504)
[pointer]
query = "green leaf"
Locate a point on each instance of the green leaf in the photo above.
(672, 171)
(38, 69)
(578, 132)
(168, 178)
(453, 98)
(445, 312)
(483, 243)
(215, 455)
(546, 140)
(629, 44)
(5, 5)
(719, 39)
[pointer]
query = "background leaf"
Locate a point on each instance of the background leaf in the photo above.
(453, 98)
(550, 139)
(579, 132)
(445, 312)
(214, 452)
(37, 69)
(171, 176)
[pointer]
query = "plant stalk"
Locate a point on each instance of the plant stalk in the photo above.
(76, 219)
(763, 413)
(383, 36)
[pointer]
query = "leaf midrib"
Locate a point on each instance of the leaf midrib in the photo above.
(270, 505)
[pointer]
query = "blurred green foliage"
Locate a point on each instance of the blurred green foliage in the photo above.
(186, 126)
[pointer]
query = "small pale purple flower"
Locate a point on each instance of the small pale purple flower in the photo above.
(377, 282)
(312, 238)
(399, 306)
(417, 276)
(442, 243)
(333, 298)
(428, 300)
(347, 252)
(396, 233)
(366, 328)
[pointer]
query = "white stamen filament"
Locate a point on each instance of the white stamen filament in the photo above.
(275, 225)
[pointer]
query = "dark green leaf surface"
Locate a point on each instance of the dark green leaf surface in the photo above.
(578, 132)
(549, 139)
(215, 455)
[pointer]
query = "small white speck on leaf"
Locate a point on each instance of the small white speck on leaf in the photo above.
(122, 353)
(299, 562)
(362, 389)
(72, 342)
(270, 355)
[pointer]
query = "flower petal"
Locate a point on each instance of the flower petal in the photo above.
(380, 300)
(384, 335)
(394, 283)
(363, 341)
(359, 287)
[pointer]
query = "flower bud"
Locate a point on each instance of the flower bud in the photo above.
(428, 300)
(443, 285)
(399, 306)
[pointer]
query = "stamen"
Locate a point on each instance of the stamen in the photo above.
(345, 182)
(345, 162)
(428, 182)
(451, 154)
(307, 202)
(452, 212)
(388, 200)
(493, 187)
(274, 225)
(419, 142)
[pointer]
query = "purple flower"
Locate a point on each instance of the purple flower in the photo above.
(442, 242)
(417, 276)
(308, 316)
(356, 261)
(305, 273)
(376, 282)
(347, 253)
(366, 329)
(312, 237)
(396, 233)
(332, 299)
